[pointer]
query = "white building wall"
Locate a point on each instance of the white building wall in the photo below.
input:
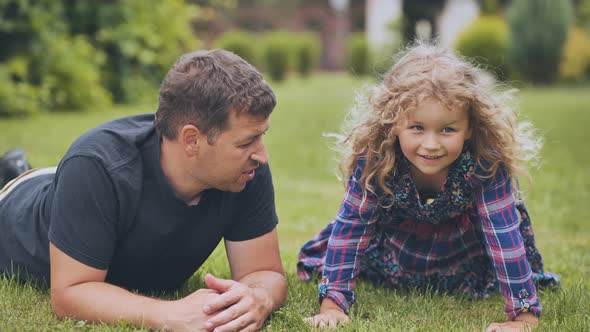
(455, 17)
(379, 14)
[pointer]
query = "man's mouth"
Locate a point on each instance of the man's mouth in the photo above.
(250, 173)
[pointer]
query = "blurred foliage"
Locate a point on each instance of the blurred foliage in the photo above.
(142, 39)
(382, 58)
(241, 43)
(485, 42)
(69, 70)
(582, 13)
(275, 54)
(490, 7)
(75, 55)
(575, 64)
(306, 52)
(216, 4)
(538, 29)
(45, 67)
(357, 54)
(17, 97)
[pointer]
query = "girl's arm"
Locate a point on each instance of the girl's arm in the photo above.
(504, 244)
(352, 231)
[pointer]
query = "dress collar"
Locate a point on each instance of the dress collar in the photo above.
(455, 198)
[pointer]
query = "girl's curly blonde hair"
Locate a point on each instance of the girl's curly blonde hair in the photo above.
(426, 71)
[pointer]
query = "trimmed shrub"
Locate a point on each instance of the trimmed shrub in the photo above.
(485, 41)
(538, 29)
(358, 54)
(306, 52)
(275, 54)
(575, 63)
(240, 43)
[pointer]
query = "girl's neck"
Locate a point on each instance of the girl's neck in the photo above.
(428, 185)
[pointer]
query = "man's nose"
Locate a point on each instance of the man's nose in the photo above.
(260, 155)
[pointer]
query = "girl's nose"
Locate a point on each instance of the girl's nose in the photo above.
(431, 142)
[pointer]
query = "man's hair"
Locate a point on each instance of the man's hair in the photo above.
(203, 87)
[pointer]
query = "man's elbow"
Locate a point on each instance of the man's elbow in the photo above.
(282, 288)
(59, 304)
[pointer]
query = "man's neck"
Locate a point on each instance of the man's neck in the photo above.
(173, 167)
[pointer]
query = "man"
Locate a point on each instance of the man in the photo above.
(139, 203)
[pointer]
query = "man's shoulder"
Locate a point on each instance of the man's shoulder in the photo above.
(115, 143)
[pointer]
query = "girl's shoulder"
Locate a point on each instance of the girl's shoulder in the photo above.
(490, 177)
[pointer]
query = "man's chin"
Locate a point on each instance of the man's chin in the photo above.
(236, 187)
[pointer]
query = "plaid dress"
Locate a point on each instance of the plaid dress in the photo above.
(473, 238)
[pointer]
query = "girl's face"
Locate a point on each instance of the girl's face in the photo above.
(432, 138)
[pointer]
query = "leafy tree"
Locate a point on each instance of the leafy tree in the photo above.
(42, 66)
(140, 38)
(76, 54)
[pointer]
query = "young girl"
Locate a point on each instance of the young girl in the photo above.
(432, 200)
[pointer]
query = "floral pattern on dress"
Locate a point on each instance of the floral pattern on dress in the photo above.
(452, 212)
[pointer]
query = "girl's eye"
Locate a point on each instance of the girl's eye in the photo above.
(417, 127)
(448, 130)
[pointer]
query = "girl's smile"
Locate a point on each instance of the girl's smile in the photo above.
(431, 157)
(433, 138)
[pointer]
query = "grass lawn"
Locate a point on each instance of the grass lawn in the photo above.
(308, 195)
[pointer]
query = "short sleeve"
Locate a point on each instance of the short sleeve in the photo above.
(84, 212)
(255, 213)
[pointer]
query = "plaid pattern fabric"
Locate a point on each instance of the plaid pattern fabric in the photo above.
(338, 250)
(505, 246)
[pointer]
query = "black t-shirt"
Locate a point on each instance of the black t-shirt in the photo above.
(109, 207)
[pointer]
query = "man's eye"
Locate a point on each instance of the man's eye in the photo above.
(243, 146)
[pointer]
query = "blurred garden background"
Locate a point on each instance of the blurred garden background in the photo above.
(67, 66)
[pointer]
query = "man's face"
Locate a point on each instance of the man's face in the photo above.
(231, 161)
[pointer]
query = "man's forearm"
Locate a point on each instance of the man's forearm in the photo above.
(273, 283)
(106, 303)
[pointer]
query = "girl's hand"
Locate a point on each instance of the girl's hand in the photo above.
(524, 322)
(330, 315)
(329, 318)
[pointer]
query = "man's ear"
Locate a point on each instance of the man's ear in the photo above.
(190, 136)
